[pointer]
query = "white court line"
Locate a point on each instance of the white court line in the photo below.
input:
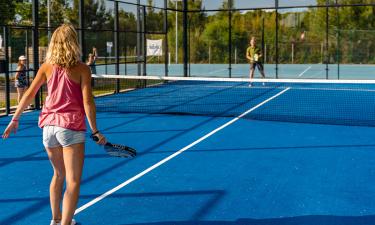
(92, 202)
(215, 71)
(300, 75)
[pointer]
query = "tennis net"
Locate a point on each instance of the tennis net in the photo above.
(338, 102)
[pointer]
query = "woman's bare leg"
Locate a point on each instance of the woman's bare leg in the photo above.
(55, 155)
(73, 160)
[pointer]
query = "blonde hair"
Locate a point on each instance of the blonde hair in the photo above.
(63, 48)
(19, 64)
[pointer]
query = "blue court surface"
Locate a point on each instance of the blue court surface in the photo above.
(269, 156)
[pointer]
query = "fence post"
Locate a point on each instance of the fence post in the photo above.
(6, 70)
(35, 44)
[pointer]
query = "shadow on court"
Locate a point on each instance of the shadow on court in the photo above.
(299, 220)
(35, 204)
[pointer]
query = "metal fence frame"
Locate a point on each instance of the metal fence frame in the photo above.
(141, 36)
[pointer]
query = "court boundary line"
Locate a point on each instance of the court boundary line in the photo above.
(161, 162)
(215, 71)
(301, 74)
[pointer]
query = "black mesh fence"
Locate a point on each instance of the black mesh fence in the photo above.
(310, 39)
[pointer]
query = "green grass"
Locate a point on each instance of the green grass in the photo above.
(108, 86)
(13, 102)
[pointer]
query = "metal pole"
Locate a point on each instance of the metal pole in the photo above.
(327, 27)
(263, 32)
(209, 53)
(189, 38)
(230, 37)
(49, 19)
(176, 56)
(7, 80)
(35, 44)
(125, 54)
(117, 47)
(185, 37)
(265, 53)
(27, 57)
(338, 41)
(235, 55)
(165, 29)
(277, 39)
(138, 49)
(144, 41)
(81, 27)
(292, 52)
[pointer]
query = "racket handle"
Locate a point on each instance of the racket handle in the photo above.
(95, 138)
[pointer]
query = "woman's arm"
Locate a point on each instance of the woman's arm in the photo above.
(17, 73)
(89, 103)
(248, 56)
(95, 54)
(29, 95)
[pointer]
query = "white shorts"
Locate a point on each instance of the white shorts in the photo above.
(54, 136)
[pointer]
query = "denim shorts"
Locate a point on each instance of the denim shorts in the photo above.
(54, 136)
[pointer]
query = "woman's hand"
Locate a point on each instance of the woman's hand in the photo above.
(12, 127)
(101, 139)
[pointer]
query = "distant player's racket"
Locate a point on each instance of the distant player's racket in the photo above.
(117, 150)
(256, 57)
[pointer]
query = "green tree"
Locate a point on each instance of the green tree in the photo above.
(216, 35)
(128, 23)
(7, 11)
(23, 13)
(154, 20)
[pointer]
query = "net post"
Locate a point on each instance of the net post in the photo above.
(35, 44)
(117, 47)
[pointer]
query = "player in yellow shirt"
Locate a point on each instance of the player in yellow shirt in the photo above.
(254, 55)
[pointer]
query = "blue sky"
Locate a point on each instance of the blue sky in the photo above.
(212, 4)
(215, 4)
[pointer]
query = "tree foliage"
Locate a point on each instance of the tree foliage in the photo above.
(351, 36)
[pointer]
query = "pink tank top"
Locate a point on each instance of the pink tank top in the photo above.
(64, 104)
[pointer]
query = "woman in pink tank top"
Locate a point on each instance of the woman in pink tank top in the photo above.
(69, 101)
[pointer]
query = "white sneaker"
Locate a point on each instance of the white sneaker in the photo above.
(54, 222)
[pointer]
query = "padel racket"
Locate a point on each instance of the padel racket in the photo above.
(117, 150)
(256, 57)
